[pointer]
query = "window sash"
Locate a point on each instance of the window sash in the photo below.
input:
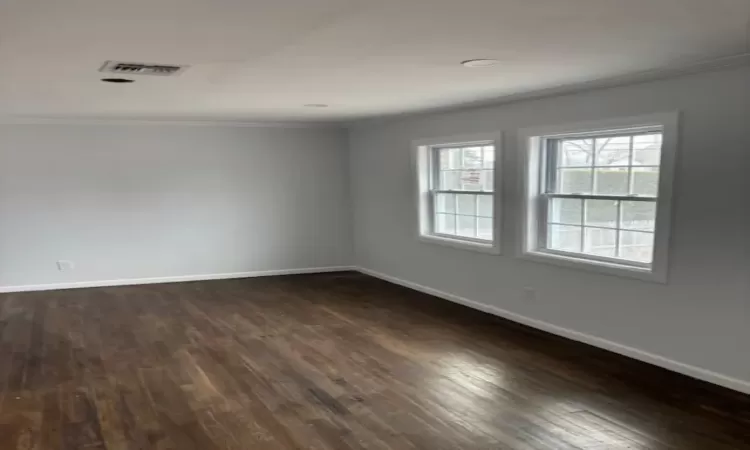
(433, 216)
(550, 153)
(435, 165)
(544, 223)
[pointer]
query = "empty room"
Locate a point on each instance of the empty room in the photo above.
(383, 225)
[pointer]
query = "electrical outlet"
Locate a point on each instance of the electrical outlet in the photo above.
(65, 266)
(529, 294)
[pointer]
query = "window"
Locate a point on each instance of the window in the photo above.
(457, 192)
(597, 195)
(600, 195)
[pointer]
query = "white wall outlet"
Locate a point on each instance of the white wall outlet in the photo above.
(529, 294)
(64, 266)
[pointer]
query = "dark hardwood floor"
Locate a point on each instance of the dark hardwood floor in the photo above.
(330, 361)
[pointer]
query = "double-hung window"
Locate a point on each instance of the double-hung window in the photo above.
(457, 192)
(598, 196)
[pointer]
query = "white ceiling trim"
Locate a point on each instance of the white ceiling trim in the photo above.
(729, 62)
(33, 120)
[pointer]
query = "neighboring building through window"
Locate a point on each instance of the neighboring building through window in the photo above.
(596, 196)
(457, 192)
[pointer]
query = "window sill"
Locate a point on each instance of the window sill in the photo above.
(492, 248)
(608, 268)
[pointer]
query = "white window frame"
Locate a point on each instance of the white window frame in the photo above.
(532, 145)
(423, 151)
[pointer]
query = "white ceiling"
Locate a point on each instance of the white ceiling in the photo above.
(264, 59)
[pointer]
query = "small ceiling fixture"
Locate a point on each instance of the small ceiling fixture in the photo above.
(117, 80)
(479, 62)
(316, 105)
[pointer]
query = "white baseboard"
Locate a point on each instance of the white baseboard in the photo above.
(173, 279)
(657, 360)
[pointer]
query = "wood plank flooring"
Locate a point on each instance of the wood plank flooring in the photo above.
(329, 361)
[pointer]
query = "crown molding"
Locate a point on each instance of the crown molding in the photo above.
(728, 62)
(48, 120)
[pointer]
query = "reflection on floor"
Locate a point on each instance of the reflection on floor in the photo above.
(330, 361)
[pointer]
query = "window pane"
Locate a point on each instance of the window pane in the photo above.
(636, 246)
(645, 181)
(466, 226)
(611, 181)
(489, 157)
(613, 151)
(446, 203)
(485, 228)
(565, 238)
(450, 180)
(574, 181)
(601, 213)
(566, 210)
(600, 242)
(450, 158)
(472, 158)
(445, 223)
(461, 180)
(488, 180)
(444, 156)
(455, 158)
(466, 204)
(484, 205)
(470, 180)
(575, 153)
(647, 150)
(638, 216)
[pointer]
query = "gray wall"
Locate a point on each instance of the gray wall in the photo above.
(701, 318)
(160, 200)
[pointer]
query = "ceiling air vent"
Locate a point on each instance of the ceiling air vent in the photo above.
(162, 70)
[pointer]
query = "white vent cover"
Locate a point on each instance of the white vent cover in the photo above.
(162, 70)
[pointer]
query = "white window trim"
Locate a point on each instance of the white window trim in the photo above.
(422, 161)
(530, 147)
